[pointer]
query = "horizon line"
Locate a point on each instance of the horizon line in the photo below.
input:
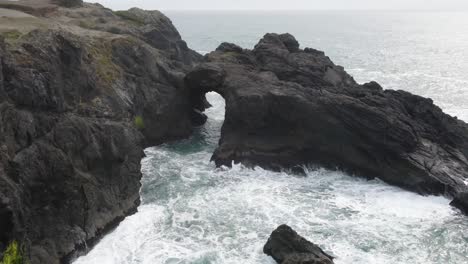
(306, 10)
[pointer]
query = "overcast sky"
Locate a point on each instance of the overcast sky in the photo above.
(287, 4)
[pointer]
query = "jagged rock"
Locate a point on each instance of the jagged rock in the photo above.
(84, 90)
(461, 202)
(77, 107)
(287, 247)
(287, 107)
(158, 31)
(228, 47)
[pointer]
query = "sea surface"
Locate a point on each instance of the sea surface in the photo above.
(192, 212)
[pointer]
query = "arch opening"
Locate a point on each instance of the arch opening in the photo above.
(206, 79)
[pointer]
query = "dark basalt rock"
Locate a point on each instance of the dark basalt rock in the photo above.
(287, 247)
(158, 31)
(198, 118)
(286, 107)
(79, 101)
(77, 107)
(461, 202)
(290, 42)
(229, 47)
(204, 77)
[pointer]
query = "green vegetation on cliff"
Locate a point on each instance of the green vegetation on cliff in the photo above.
(129, 16)
(13, 254)
(11, 36)
(87, 24)
(106, 70)
(139, 123)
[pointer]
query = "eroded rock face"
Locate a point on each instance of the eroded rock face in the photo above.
(287, 106)
(461, 202)
(287, 247)
(77, 107)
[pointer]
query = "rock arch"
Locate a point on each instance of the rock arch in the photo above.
(203, 79)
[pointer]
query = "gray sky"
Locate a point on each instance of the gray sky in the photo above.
(288, 4)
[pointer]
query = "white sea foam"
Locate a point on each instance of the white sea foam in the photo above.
(195, 213)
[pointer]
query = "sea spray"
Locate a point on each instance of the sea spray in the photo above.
(193, 212)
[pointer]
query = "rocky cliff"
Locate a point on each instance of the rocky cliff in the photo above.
(82, 91)
(287, 106)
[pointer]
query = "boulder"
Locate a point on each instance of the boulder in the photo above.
(287, 247)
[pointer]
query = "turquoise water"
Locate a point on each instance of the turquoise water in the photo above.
(192, 212)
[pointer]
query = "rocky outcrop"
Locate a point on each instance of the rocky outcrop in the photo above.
(287, 247)
(83, 90)
(287, 106)
(461, 202)
(78, 104)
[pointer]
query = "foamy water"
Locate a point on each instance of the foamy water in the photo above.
(193, 212)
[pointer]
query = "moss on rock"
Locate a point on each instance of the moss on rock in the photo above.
(129, 16)
(101, 54)
(87, 24)
(11, 35)
(139, 123)
(13, 254)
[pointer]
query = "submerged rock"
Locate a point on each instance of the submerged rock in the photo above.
(286, 106)
(287, 247)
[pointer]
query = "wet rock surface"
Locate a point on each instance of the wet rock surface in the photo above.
(287, 247)
(461, 202)
(286, 106)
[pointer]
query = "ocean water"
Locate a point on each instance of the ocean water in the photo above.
(425, 53)
(193, 212)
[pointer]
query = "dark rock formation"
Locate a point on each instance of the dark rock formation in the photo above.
(461, 202)
(83, 90)
(77, 107)
(158, 31)
(286, 106)
(287, 247)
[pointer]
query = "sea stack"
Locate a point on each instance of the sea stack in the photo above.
(287, 106)
(287, 247)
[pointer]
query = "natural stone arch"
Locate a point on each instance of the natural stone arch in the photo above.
(203, 79)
